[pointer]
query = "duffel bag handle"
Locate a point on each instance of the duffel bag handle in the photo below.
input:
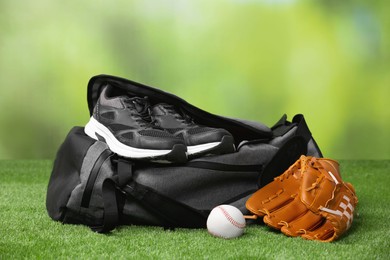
(111, 214)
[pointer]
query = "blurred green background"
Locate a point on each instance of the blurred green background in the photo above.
(253, 59)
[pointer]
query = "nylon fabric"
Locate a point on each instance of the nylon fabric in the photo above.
(95, 210)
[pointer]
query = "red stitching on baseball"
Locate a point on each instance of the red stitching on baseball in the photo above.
(230, 218)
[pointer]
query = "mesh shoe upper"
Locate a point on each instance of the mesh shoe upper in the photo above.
(128, 118)
(181, 125)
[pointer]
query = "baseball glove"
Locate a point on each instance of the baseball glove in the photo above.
(309, 200)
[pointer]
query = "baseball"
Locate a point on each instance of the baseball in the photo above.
(226, 221)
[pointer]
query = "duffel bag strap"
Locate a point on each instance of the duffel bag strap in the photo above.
(109, 187)
(125, 172)
(111, 214)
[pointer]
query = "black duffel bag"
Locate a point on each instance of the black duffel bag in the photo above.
(93, 186)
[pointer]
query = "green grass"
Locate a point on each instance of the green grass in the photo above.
(26, 231)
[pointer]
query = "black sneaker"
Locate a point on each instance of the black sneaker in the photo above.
(124, 123)
(200, 140)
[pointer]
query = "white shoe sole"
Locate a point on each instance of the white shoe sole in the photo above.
(94, 127)
(196, 149)
(226, 145)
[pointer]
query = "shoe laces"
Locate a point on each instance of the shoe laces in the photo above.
(142, 113)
